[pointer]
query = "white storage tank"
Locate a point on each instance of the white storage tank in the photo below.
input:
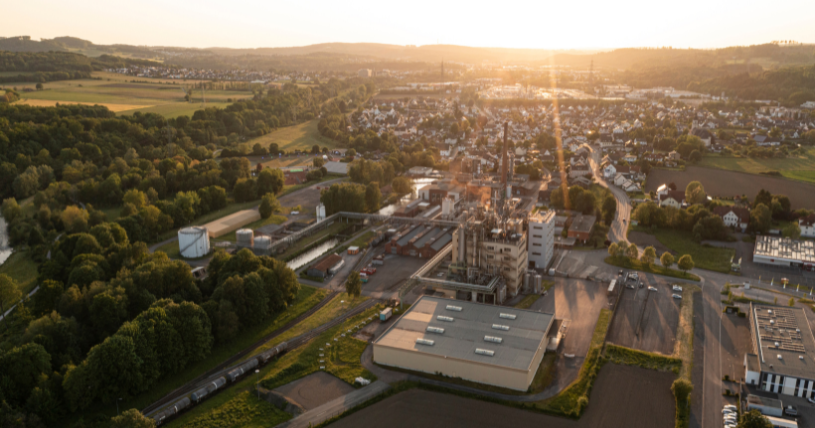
(263, 243)
(320, 212)
(245, 237)
(193, 242)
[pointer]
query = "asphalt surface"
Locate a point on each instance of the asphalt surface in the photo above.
(619, 228)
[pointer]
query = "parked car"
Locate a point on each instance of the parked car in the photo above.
(791, 411)
(635, 275)
(652, 288)
(620, 272)
(730, 406)
(677, 296)
(677, 287)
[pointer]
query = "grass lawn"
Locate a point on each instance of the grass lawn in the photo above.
(795, 168)
(303, 137)
(705, 257)
(647, 360)
(528, 301)
(566, 403)
(243, 409)
(21, 269)
(363, 240)
(625, 262)
(306, 298)
(120, 95)
(344, 362)
(683, 347)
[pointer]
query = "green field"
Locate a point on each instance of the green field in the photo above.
(796, 168)
(302, 136)
(123, 97)
(21, 269)
(704, 257)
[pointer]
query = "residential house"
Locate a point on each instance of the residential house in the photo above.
(807, 225)
(672, 198)
(735, 217)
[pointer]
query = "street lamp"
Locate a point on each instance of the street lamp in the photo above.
(117, 405)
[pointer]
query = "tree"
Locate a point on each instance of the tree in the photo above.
(38, 86)
(695, 193)
(609, 209)
(754, 419)
(74, 219)
(11, 210)
(318, 162)
(792, 231)
(132, 418)
(613, 249)
(372, 197)
(685, 263)
(9, 293)
(353, 285)
(632, 252)
(649, 255)
(792, 301)
(401, 185)
(760, 219)
(667, 260)
(135, 197)
(269, 205)
(695, 156)
(245, 190)
(270, 180)
(763, 197)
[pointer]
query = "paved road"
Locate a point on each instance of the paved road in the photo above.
(619, 228)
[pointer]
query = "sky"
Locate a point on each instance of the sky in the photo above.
(576, 24)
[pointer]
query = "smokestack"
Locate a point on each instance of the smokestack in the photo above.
(504, 156)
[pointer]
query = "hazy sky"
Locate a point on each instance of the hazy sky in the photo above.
(506, 23)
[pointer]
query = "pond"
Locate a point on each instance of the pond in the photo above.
(312, 254)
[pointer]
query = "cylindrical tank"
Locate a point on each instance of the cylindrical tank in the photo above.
(245, 237)
(538, 283)
(263, 243)
(320, 212)
(519, 227)
(193, 242)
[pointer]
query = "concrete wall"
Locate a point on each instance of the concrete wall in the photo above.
(518, 380)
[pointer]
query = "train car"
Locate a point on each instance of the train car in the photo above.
(202, 393)
(246, 367)
(277, 350)
(172, 410)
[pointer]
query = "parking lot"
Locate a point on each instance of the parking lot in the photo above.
(315, 389)
(385, 283)
(646, 320)
(735, 341)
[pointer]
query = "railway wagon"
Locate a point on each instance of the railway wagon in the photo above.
(202, 393)
(172, 410)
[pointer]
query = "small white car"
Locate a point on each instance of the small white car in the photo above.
(677, 288)
(677, 296)
(634, 275)
(730, 406)
(295, 213)
(726, 411)
(652, 289)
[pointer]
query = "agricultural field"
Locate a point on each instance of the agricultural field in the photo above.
(623, 396)
(680, 243)
(723, 183)
(302, 137)
(797, 168)
(123, 97)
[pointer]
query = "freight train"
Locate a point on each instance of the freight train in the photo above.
(233, 375)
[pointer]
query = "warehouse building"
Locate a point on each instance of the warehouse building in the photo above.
(778, 251)
(326, 267)
(783, 357)
(482, 343)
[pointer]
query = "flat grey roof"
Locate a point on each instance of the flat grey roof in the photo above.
(408, 236)
(583, 223)
(337, 167)
(526, 334)
(785, 248)
(441, 242)
(783, 331)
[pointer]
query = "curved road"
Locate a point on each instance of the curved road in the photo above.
(619, 228)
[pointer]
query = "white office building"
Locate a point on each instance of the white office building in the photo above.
(541, 242)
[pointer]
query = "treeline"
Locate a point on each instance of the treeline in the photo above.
(111, 319)
(54, 65)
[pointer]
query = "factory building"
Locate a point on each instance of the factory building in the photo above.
(481, 343)
(494, 247)
(778, 251)
(541, 238)
(419, 241)
(783, 351)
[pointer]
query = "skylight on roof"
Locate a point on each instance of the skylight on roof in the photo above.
(487, 352)
(500, 327)
(426, 342)
(508, 316)
(445, 318)
(493, 339)
(437, 330)
(454, 308)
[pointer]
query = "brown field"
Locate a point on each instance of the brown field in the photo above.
(622, 396)
(719, 182)
(52, 103)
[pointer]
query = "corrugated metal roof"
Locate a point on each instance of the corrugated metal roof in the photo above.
(527, 332)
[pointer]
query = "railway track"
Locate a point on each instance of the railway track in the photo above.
(191, 385)
(298, 341)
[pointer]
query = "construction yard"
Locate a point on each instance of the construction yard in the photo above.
(646, 320)
(622, 397)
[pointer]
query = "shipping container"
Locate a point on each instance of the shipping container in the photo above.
(385, 314)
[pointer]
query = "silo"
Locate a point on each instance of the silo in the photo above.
(320, 212)
(538, 282)
(447, 207)
(193, 242)
(263, 243)
(245, 238)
